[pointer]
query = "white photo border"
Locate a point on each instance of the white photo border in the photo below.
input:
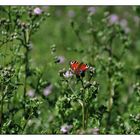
(69, 137)
(69, 2)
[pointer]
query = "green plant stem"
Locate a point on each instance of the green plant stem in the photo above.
(4, 91)
(82, 83)
(26, 123)
(1, 110)
(84, 118)
(83, 108)
(81, 103)
(70, 87)
(110, 104)
(83, 113)
(26, 61)
(77, 32)
(26, 72)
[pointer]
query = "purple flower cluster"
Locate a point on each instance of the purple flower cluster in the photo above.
(92, 10)
(48, 90)
(71, 13)
(68, 74)
(37, 11)
(65, 128)
(114, 19)
(31, 93)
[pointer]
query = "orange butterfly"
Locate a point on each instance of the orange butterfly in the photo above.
(78, 68)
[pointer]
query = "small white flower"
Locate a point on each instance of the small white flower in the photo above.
(65, 128)
(68, 74)
(92, 69)
(37, 11)
(31, 93)
(47, 90)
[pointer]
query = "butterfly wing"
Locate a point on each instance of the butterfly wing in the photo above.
(78, 68)
(81, 68)
(74, 65)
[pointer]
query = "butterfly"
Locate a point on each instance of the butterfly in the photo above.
(78, 68)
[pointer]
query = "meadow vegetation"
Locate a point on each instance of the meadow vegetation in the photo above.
(41, 94)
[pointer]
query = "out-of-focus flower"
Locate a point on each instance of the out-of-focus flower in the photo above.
(94, 131)
(31, 93)
(37, 11)
(123, 23)
(113, 19)
(71, 13)
(68, 74)
(127, 30)
(58, 12)
(61, 59)
(47, 90)
(65, 128)
(91, 10)
(136, 20)
(92, 69)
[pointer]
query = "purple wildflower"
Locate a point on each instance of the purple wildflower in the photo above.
(91, 10)
(65, 128)
(113, 19)
(95, 131)
(31, 93)
(68, 74)
(71, 13)
(37, 11)
(48, 90)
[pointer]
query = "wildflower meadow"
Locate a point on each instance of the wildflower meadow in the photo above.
(70, 70)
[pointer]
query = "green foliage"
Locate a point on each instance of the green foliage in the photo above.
(40, 94)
